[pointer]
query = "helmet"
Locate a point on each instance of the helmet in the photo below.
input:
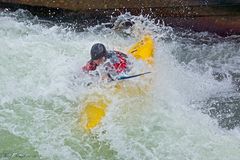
(98, 50)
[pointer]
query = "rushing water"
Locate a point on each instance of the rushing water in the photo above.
(191, 113)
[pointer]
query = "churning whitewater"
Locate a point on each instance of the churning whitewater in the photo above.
(191, 112)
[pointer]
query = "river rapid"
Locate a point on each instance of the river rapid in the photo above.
(192, 111)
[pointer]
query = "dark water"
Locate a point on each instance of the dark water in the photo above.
(220, 56)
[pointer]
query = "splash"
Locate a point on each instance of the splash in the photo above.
(41, 92)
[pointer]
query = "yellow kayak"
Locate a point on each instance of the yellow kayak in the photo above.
(95, 105)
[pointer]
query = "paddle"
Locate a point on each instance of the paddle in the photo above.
(128, 77)
(123, 77)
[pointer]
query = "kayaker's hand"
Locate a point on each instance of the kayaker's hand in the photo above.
(106, 77)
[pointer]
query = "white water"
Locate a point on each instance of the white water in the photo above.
(40, 99)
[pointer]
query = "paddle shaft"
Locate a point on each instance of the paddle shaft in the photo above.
(128, 77)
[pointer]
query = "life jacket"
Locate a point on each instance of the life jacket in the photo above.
(117, 59)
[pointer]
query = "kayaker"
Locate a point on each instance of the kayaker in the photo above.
(110, 63)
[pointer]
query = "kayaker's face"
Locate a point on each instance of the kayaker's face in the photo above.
(99, 61)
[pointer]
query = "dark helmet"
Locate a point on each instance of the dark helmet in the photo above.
(98, 50)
